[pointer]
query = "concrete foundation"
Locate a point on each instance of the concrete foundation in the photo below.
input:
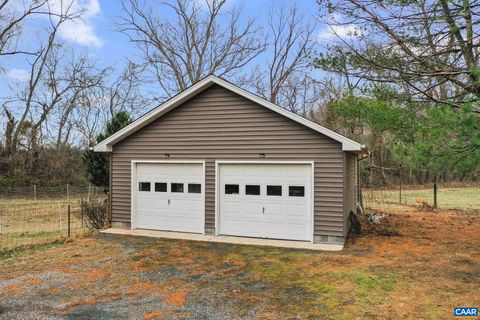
(228, 239)
(210, 231)
(329, 240)
(120, 225)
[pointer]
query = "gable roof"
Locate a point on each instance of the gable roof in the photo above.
(106, 145)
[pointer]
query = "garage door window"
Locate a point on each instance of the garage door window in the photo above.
(194, 188)
(253, 190)
(296, 191)
(232, 189)
(144, 186)
(176, 187)
(160, 187)
(274, 190)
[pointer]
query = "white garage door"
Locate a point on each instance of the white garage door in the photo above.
(266, 201)
(169, 196)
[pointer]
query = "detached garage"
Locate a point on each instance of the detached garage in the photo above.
(218, 160)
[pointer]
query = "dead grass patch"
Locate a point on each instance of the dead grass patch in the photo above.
(414, 265)
(176, 298)
(153, 315)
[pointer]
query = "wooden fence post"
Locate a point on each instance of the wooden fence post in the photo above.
(89, 190)
(400, 194)
(68, 223)
(435, 203)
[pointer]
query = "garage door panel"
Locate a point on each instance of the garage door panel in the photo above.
(254, 208)
(177, 205)
(185, 224)
(297, 230)
(273, 229)
(151, 203)
(193, 205)
(285, 216)
(152, 220)
(274, 171)
(242, 228)
(274, 210)
(162, 209)
(246, 217)
(296, 210)
(231, 207)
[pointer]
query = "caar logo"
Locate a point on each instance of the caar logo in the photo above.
(465, 312)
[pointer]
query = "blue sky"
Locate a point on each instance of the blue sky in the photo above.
(116, 47)
(97, 34)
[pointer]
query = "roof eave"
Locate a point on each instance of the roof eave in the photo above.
(102, 147)
(355, 148)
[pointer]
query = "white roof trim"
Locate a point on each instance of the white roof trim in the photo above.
(106, 145)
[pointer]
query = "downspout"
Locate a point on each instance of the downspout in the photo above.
(359, 191)
(110, 189)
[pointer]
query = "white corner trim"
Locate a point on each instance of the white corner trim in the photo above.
(106, 145)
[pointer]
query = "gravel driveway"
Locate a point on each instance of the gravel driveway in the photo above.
(412, 266)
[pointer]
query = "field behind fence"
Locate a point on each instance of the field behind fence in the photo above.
(454, 196)
(36, 215)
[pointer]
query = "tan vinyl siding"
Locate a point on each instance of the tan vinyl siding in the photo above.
(350, 187)
(218, 124)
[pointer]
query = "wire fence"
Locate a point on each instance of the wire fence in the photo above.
(451, 196)
(37, 215)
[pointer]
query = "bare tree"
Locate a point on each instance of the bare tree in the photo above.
(99, 104)
(288, 65)
(65, 87)
(193, 44)
(292, 47)
(12, 19)
(46, 106)
(27, 101)
(40, 108)
(123, 92)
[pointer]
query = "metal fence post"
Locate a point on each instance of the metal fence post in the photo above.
(68, 192)
(68, 222)
(435, 203)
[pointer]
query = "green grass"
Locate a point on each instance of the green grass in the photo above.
(459, 198)
(369, 284)
(24, 221)
(465, 198)
(11, 254)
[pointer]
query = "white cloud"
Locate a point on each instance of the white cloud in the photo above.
(80, 31)
(18, 75)
(346, 31)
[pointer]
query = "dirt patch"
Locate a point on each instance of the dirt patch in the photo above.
(176, 298)
(415, 264)
(153, 315)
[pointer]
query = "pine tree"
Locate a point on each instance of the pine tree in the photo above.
(97, 164)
